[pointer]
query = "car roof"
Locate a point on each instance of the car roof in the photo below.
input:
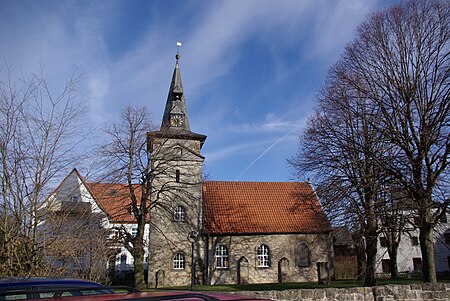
(32, 281)
(162, 295)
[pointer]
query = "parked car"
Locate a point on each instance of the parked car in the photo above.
(41, 288)
(163, 296)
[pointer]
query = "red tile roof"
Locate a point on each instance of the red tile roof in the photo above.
(262, 207)
(235, 207)
(114, 200)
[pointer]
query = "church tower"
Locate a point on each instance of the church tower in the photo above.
(176, 217)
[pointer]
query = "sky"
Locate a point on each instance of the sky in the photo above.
(250, 68)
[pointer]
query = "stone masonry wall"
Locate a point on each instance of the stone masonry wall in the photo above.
(282, 249)
(168, 236)
(411, 292)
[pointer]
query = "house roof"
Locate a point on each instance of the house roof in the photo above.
(114, 200)
(233, 207)
(342, 237)
(262, 207)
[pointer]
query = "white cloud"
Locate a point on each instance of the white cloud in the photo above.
(76, 35)
(271, 124)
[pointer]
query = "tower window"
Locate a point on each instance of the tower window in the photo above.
(221, 257)
(177, 176)
(179, 262)
(179, 214)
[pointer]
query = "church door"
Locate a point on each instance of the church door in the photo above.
(242, 271)
(283, 268)
(159, 278)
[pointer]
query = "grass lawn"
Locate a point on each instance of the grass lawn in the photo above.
(303, 285)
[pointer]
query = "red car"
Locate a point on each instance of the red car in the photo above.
(160, 296)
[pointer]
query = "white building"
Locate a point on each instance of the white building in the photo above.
(409, 254)
(74, 194)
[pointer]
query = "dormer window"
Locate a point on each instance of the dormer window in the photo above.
(75, 198)
(177, 96)
(177, 176)
(178, 151)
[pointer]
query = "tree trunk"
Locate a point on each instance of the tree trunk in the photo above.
(139, 278)
(361, 259)
(371, 253)
(427, 248)
(393, 262)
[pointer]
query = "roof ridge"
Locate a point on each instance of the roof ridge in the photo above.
(269, 182)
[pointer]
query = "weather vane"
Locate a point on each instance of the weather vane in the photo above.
(177, 56)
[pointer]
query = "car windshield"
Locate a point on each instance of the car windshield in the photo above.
(35, 289)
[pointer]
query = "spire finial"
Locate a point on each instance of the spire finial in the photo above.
(177, 56)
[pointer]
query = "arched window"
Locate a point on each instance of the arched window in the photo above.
(302, 255)
(221, 257)
(179, 214)
(179, 263)
(262, 255)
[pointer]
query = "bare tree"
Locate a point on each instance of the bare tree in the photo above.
(393, 223)
(337, 149)
(39, 131)
(400, 62)
(76, 243)
(146, 170)
(127, 160)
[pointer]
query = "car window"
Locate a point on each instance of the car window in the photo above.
(52, 295)
(71, 291)
(93, 292)
(15, 297)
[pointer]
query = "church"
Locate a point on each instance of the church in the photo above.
(212, 232)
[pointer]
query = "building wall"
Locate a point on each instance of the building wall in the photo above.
(178, 182)
(124, 261)
(442, 245)
(243, 262)
(408, 249)
(406, 252)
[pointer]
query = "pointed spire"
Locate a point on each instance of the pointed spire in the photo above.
(175, 114)
(175, 122)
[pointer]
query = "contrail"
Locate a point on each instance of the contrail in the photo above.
(263, 153)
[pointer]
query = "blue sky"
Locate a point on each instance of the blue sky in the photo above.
(250, 68)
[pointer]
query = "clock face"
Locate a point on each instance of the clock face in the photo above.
(176, 120)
